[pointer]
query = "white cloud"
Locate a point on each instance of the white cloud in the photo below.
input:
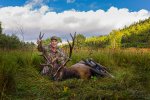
(33, 3)
(70, 1)
(61, 24)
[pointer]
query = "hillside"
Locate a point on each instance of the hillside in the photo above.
(136, 35)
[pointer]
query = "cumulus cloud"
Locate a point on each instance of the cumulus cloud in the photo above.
(89, 23)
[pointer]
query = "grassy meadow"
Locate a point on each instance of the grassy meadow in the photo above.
(20, 77)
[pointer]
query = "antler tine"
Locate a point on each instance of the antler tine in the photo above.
(41, 36)
(70, 47)
(73, 37)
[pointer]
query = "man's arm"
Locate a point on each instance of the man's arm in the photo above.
(40, 46)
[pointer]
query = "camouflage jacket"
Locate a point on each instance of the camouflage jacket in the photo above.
(59, 54)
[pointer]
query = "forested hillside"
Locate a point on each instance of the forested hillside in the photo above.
(136, 35)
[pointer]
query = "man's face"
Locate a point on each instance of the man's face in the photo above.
(54, 43)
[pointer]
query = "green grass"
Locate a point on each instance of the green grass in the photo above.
(20, 77)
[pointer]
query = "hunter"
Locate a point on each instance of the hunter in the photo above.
(54, 53)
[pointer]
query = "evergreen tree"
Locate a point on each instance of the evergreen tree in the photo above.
(0, 28)
(80, 40)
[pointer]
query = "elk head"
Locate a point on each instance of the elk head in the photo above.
(58, 75)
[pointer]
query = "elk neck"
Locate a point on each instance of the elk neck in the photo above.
(70, 73)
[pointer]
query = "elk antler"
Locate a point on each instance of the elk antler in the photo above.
(70, 47)
(70, 53)
(48, 61)
(39, 42)
(41, 36)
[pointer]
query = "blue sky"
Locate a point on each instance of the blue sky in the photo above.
(85, 5)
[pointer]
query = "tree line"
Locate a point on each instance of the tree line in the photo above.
(12, 42)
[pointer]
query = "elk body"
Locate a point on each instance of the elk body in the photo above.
(82, 71)
(75, 71)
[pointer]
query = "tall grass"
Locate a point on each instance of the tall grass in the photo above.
(7, 73)
(10, 62)
(20, 76)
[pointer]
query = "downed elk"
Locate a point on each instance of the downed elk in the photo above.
(84, 69)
